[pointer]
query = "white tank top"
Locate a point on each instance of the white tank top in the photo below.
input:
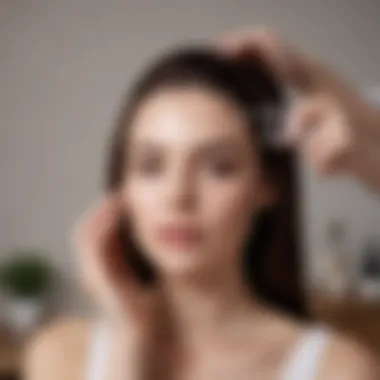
(302, 363)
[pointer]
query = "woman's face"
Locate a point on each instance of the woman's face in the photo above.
(193, 180)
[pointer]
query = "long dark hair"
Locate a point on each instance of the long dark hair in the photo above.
(272, 257)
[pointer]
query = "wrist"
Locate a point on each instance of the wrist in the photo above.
(367, 119)
(365, 163)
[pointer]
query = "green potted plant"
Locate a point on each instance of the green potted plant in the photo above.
(25, 279)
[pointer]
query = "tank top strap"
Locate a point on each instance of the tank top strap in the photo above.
(302, 363)
(98, 349)
(306, 356)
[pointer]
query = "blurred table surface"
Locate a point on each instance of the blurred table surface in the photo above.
(353, 315)
(10, 356)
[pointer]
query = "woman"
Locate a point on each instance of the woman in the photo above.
(173, 252)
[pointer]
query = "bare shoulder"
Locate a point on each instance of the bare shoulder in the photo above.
(58, 350)
(346, 358)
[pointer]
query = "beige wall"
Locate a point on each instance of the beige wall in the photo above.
(64, 65)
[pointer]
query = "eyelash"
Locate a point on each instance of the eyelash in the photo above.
(145, 166)
(221, 168)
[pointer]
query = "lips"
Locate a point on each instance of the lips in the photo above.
(179, 235)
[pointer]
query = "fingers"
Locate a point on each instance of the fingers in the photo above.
(92, 235)
(259, 41)
(321, 132)
(329, 153)
(104, 268)
(292, 66)
(92, 231)
(304, 116)
(287, 63)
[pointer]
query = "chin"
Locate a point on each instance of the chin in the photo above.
(182, 263)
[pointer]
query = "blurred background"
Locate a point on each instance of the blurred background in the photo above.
(64, 66)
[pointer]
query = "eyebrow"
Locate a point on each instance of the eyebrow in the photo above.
(215, 145)
(220, 145)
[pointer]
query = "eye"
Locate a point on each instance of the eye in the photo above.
(222, 167)
(148, 166)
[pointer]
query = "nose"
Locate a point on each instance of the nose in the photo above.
(180, 190)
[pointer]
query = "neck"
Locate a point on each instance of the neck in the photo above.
(206, 304)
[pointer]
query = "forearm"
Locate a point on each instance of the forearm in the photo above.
(366, 165)
(374, 123)
(361, 103)
(368, 118)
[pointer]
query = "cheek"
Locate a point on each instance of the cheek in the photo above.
(141, 204)
(229, 209)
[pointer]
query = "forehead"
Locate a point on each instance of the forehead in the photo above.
(188, 116)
